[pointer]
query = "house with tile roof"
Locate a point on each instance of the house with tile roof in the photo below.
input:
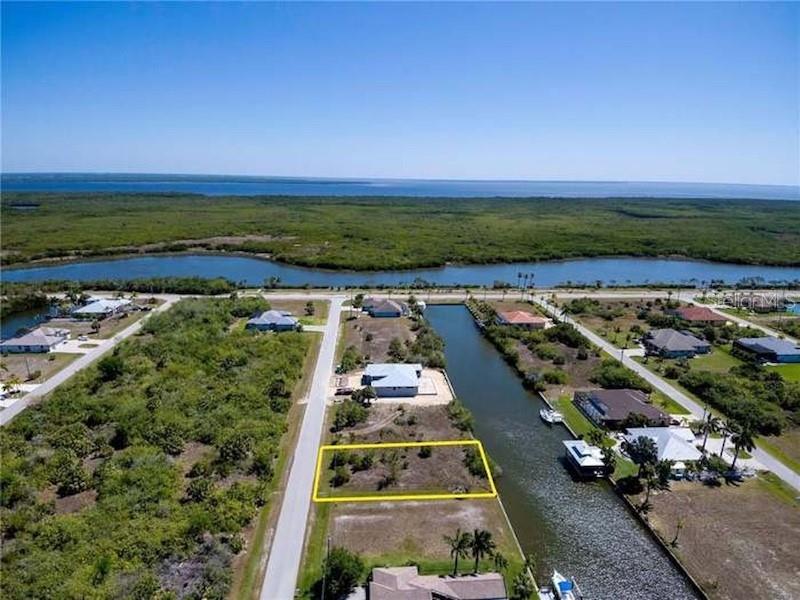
(699, 315)
(524, 319)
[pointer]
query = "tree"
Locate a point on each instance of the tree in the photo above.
(522, 587)
(358, 301)
(712, 424)
(743, 438)
(460, 545)
(656, 476)
(341, 572)
(310, 309)
(11, 383)
(482, 545)
(609, 459)
(110, 368)
(95, 326)
(500, 562)
(595, 437)
(642, 451)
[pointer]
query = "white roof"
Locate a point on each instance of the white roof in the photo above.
(584, 454)
(101, 306)
(671, 442)
(393, 374)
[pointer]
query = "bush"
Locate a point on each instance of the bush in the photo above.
(349, 414)
(460, 416)
(611, 374)
(342, 570)
(555, 377)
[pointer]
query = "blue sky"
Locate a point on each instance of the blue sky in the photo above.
(667, 92)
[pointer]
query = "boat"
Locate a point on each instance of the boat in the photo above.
(565, 589)
(551, 416)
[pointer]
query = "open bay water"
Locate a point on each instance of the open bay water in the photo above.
(582, 529)
(230, 185)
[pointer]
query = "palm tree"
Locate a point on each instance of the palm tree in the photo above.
(11, 383)
(500, 562)
(459, 544)
(482, 545)
(712, 424)
(744, 437)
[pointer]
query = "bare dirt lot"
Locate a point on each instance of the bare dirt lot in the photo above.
(401, 423)
(372, 336)
(35, 367)
(414, 530)
(738, 541)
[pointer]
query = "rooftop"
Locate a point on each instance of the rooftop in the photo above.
(273, 317)
(769, 345)
(405, 583)
(673, 443)
(674, 340)
(42, 336)
(100, 306)
(393, 374)
(521, 317)
(618, 404)
(584, 454)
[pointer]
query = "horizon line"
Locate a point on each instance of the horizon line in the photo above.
(356, 179)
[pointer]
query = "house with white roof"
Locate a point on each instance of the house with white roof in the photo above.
(585, 460)
(273, 320)
(101, 308)
(42, 339)
(672, 443)
(392, 380)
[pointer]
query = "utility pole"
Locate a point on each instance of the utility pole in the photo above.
(324, 569)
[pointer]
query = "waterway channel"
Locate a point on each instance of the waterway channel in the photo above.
(582, 529)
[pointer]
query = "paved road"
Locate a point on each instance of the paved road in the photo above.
(769, 462)
(84, 361)
(287, 546)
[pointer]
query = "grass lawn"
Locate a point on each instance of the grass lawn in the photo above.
(719, 360)
(788, 372)
(785, 447)
(577, 421)
(667, 404)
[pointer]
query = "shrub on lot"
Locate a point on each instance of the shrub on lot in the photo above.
(349, 414)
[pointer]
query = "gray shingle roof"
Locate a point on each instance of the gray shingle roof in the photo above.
(675, 341)
(274, 317)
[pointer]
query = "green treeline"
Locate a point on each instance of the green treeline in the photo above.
(378, 233)
(136, 478)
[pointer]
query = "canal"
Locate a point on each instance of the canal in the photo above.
(582, 529)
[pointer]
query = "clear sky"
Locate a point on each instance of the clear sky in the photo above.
(666, 92)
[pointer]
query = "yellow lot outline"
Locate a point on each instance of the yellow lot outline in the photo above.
(390, 497)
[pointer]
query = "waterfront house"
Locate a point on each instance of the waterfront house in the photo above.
(699, 315)
(768, 349)
(273, 320)
(672, 443)
(611, 408)
(523, 319)
(101, 308)
(585, 460)
(671, 343)
(393, 380)
(385, 308)
(42, 339)
(405, 583)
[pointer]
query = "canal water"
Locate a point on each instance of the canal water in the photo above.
(581, 529)
(254, 271)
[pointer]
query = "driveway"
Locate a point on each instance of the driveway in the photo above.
(286, 552)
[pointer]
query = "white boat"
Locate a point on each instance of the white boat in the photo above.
(551, 416)
(565, 589)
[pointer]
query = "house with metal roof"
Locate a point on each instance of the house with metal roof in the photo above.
(273, 320)
(672, 443)
(393, 380)
(405, 583)
(584, 459)
(101, 308)
(42, 339)
(671, 343)
(769, 349)
(610, 408)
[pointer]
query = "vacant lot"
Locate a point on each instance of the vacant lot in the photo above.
(298, 309)
(35, 367)
(108, 327)
(738, 541)
(372, 337)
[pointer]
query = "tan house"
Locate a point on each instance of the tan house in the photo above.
(405, 583)
(521, 318)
